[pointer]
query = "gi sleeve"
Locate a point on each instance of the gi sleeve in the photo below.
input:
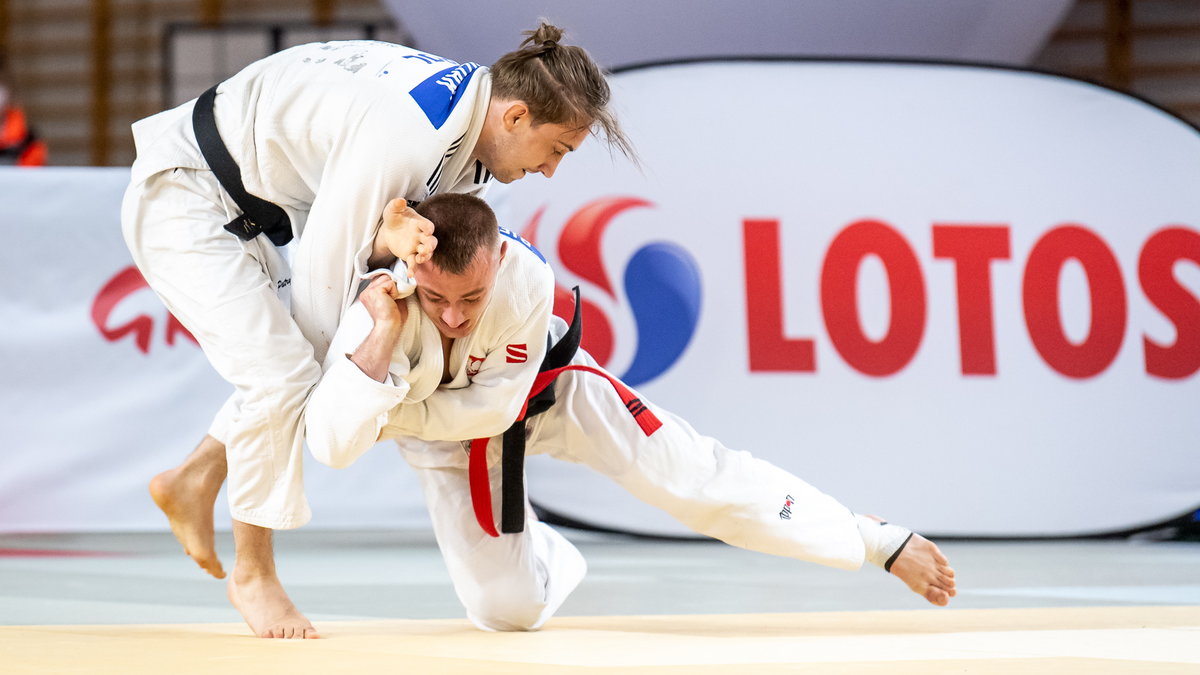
(347, 409)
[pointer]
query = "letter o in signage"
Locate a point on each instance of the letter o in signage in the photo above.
(839, 298)
(1107, 291)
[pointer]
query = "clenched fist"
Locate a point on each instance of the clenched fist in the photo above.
(405, 235)
(384, 303)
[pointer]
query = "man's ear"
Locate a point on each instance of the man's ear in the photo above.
(516, 111)
(503, 250)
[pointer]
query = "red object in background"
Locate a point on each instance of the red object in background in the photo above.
(123, 284)
(18, 144)
(973, 248)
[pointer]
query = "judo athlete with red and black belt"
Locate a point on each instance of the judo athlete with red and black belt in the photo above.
(377, 385)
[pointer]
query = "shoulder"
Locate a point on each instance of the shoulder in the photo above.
(414, 101)
(524, 289)
(528, 273)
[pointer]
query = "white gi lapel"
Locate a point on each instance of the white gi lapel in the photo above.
(424, 349)
(456, 165)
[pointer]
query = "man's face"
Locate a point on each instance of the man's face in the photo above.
(518, 146)
(454, 302)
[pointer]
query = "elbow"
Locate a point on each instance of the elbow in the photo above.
(325, 438)
(325, 454)
(500, 423)
(325, 449)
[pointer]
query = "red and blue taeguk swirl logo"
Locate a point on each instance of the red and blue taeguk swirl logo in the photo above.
(662, 286)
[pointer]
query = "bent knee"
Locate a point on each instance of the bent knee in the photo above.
(512, 609)
(328, 456)
(509, 619)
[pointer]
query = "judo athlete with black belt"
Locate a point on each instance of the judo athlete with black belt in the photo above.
(441, 370)
(320, 143)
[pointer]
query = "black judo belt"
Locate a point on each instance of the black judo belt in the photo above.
(540, 398)
(512, 458)
(259, 216)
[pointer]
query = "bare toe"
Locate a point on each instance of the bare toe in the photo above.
(267, 609)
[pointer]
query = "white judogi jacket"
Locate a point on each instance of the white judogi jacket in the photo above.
(492, 369)
(331, 132)
(716, 491)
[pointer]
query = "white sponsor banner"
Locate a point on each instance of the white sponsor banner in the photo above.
(101, 389)
(963, 298)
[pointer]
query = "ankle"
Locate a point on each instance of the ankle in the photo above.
(204, 477)
(252, 574)
(882, 540)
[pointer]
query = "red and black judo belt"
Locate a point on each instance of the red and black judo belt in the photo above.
(259, 216)
(512, 459)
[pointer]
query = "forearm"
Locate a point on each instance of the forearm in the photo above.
(374, 355)
(459, 414)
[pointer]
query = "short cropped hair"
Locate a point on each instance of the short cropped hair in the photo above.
(463, 224)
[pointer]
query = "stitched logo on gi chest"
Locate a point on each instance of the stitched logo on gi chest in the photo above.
(786, 512)
(662, 286)
(517, 354)
(474, 363)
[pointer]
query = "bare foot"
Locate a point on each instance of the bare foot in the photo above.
(926, 570)
(187, 498)
(267, 608)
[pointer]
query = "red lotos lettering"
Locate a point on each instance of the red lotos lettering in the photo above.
(769, 349)
(839, 299)
(1107, 293)
(1156, 273)
(973, 248)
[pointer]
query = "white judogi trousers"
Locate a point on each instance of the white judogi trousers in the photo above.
(225, 290)
(517, 581)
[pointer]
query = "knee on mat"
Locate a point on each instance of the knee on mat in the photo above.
(508, 610)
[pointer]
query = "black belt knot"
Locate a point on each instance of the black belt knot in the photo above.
(258, 216)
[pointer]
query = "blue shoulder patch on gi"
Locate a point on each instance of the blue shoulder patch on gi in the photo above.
(521, 240)
(440, 92)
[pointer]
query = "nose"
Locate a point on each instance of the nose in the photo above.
(548, 167)
(453, 317)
